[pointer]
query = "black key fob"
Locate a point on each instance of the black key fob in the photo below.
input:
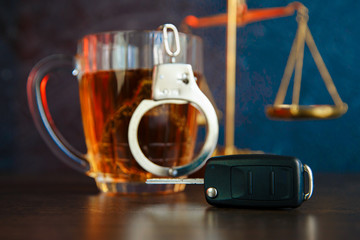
(257, 180)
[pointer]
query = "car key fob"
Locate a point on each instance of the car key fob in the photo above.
(256, 180)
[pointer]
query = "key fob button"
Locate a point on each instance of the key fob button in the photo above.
(239, 182)
(252, 183)
(283, 183)
(260, 183)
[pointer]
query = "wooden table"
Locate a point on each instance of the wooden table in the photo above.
(62, 207)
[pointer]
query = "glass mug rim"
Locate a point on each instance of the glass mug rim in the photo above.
(113, 43)
(145, 32)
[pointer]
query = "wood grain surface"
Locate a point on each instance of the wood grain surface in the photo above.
(70, 207)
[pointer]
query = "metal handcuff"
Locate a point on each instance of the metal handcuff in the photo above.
(174, 83)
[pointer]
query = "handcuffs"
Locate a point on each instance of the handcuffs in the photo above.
(174, 83)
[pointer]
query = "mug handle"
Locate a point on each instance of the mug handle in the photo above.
(36, 93)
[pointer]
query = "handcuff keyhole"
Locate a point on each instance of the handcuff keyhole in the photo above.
(186, 81)
(184, 78)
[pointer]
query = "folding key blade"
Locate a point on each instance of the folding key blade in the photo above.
(256, 180)
(175, 181)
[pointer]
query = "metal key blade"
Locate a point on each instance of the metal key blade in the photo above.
(175, 181)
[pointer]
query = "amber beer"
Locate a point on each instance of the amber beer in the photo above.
(166, 134)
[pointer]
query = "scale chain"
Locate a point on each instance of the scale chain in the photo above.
(285, 81)
(302, 19)
(322, 69)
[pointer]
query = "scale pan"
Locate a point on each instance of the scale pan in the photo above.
(305, 112)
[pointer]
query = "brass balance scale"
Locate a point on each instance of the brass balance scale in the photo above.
(238, 15)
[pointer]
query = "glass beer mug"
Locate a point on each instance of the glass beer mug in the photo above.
(115, 73)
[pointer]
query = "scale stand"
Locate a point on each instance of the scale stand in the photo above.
(294, 111)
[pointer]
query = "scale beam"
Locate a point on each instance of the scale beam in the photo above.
(244, 16)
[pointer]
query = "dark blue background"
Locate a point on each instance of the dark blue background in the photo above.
(33, 29)
(331, 145)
